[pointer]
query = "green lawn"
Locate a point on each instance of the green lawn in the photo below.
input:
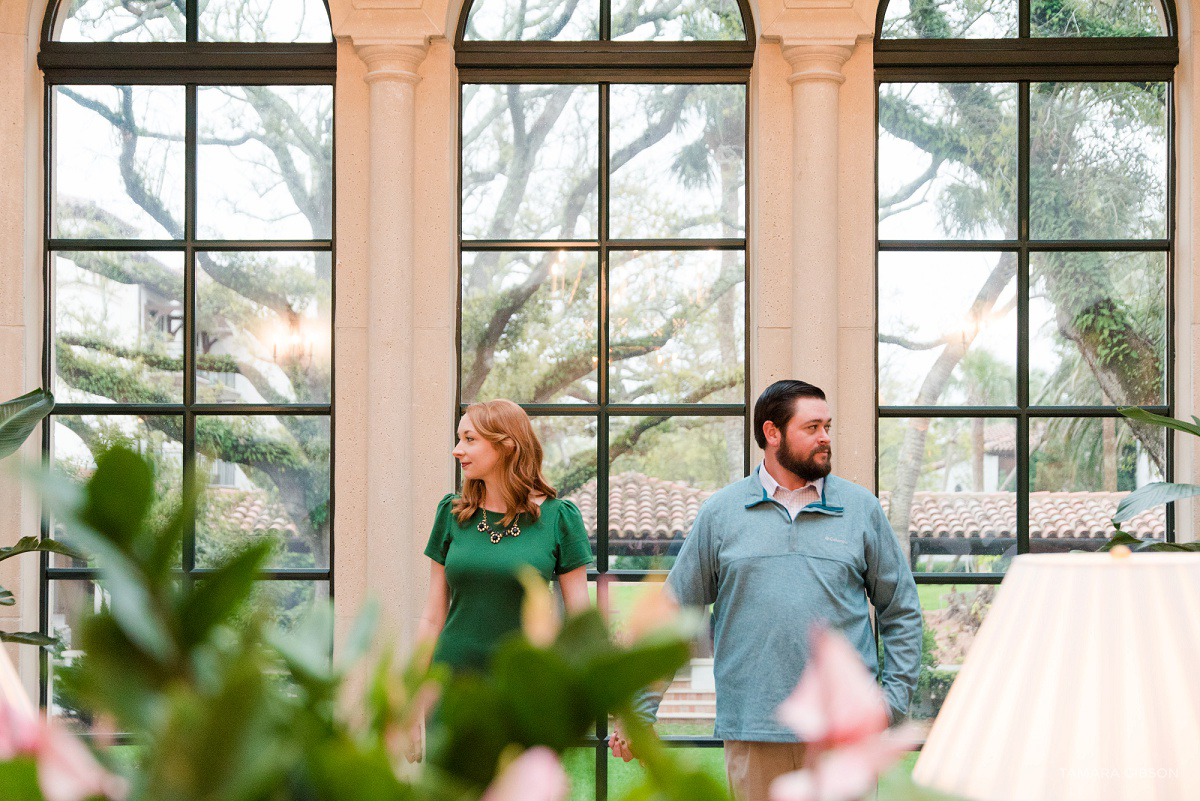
(933, 596)
(895, 785)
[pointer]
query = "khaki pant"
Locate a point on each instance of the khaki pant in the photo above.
(752, 766)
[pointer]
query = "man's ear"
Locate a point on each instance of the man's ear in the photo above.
(772, 433)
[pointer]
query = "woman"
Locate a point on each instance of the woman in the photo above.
(506, 518)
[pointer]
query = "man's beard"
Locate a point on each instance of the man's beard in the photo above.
(808, 469)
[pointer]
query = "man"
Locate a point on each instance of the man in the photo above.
(783, 549)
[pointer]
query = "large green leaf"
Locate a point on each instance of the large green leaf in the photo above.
(19, 416)
(613, 679)
(1121, 538)
(19, 781)
(217, 599)
(118, 496)
(1142, 416)
(1171, 547)
(1152, 495)
(131, 599)
(554, 714)
(26, 638)
(32, 544)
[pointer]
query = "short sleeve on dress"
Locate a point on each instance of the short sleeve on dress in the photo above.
(573, 550)
(444, 524)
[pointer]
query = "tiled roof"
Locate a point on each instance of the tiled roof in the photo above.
(1052, 515)
(642, 507)
(255, 515)
(646, 508)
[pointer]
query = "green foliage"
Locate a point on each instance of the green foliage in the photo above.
(1154, 494)
(225, 705)
(19, 416)
(549, 697)
(18, 419)
(19, 779)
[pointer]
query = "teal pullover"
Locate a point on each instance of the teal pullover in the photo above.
(771, 579)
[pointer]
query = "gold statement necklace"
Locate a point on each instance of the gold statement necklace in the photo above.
(512, 531)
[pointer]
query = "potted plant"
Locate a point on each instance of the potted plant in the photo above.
(1156, 493)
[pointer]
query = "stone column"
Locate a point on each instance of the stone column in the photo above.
(816, 76)
(392, 77)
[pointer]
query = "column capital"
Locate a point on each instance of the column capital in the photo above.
(392, 60)
(817, 59)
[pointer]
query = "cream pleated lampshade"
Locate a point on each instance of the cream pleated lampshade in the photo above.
(1083, 683)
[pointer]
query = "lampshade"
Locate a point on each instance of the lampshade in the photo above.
(1082, 683)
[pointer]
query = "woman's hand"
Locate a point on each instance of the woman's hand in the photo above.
(619, 744)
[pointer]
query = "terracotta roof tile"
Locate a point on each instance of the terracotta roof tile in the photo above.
(255, 515)
(646, 508)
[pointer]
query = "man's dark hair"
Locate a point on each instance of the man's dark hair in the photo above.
(777, 403)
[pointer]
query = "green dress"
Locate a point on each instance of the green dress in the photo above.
(485, 593)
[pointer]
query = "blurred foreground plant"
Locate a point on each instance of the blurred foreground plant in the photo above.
(18, 419)
(222, 706)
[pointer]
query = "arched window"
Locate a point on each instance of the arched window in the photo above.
(1026, 224)
(189, 275)
(603, 269)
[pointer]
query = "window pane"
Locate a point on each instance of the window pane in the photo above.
(264, 21)
(1098, 160)
(1080, 469)
(638, 20)
(265, 162)
(677, 326)
(947, 328)
(660, 470)
(286, 603)
(678, 161)
(580, 766)
(268, 478)
(529, 326)
(77, 440)
(569, 462)
(118, 321)
(1096, 18)
(949, 484)
(956, 19)
(263, 327)
(118, 162)
(1097, 324)
(947, 161)
(529, 161)
(71, 601)
(119, 21)
(688, 707)
(953, 614)
(539, 20)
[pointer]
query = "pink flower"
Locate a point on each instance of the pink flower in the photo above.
(836, 701)
(840, 712)
(535, 775)
(18, 730)
(846, 772)
(67, 771)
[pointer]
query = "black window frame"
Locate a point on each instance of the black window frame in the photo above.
(603, 63)
(1024, 60)
(190, 64)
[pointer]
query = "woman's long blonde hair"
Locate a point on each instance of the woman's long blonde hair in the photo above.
(505, 425)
